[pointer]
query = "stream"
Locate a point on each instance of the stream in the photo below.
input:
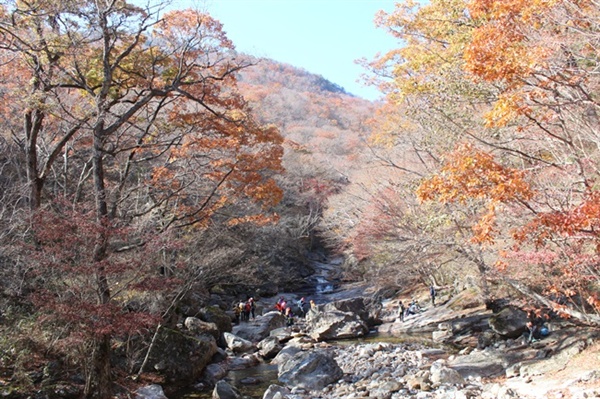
(322, 287)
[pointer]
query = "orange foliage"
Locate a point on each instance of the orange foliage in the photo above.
(582, 220)
(469, 173)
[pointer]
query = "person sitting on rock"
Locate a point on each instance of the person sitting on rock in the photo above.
(413, 308)
(535, 322)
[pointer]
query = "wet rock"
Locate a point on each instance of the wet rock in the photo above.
(214, 372)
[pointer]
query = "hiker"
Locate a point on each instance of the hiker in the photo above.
(432, 294)
(413, 308)
(247, 308)
(313, 306)
(535, 323)
(237, 312)
(252, 307)
(289, 317)
(401, 310)
(302, 306)
(279, 305)
(241, 307)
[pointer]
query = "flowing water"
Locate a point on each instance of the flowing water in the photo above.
(251, 382)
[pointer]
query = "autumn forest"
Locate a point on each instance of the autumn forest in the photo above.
(144, 162)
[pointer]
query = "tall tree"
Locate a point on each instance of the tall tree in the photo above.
(514, 79)
(147, 105)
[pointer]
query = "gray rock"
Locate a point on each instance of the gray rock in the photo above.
(181, 355)
(276, 392)
(269, 347)
(285, 354)
(260, 328)
(216, 315)
(311, 370)
(237, 344)
(335, 324)
(198, 326)
(214, 372)
(150, 392)
(497, 391)
(225, 391)
(509, 322)
(440, 374)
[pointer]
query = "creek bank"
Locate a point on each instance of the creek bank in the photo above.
(456, 363)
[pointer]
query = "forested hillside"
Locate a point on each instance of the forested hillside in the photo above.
(145, 165)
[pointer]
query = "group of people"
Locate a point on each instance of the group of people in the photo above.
(403, 311)
(284, 307)
(413, 306)
(245, 310)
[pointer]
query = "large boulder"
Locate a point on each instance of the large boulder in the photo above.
(510, 322)
(286, 354)
(197, 326)
(216, 315)
(335, 324)
(310, 370)
(276, 392)
(181, 355)
(237, 344)
(225, 391)
(269, 347)
(150, 392)
(367, 309)
(260, 328)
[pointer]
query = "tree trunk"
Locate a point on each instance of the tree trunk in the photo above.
(99, 380)
(32, 126)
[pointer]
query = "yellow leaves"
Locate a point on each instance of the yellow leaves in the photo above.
(434, 36)
(469, 173)
(259, 219)
(506, 109)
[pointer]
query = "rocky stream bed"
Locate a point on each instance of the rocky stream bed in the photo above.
(356, 347)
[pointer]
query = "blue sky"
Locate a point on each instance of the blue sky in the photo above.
(321, 36)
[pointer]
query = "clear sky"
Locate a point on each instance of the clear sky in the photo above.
(324, 37)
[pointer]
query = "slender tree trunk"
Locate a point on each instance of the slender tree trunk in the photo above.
(32, 126)
(99, 380)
